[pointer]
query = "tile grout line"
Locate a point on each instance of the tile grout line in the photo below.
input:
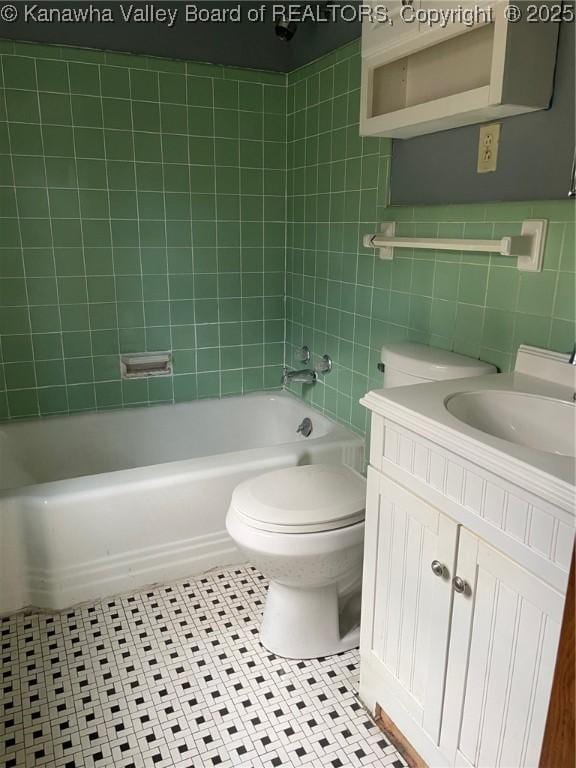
(61, 332)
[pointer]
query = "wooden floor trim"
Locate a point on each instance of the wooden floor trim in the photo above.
(398, 740)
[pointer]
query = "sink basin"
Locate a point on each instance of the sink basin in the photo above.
(540, 423)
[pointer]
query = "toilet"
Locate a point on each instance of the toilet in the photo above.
(407, 363)
(303, 528)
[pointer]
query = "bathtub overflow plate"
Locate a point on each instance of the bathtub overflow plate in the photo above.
(305, 428)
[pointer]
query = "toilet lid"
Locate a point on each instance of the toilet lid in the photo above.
(302, 499)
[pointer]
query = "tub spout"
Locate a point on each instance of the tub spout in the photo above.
(305, 376)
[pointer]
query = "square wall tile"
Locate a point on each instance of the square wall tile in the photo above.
(112, 239)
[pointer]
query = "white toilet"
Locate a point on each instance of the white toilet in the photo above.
(410, 363)
(303, 528)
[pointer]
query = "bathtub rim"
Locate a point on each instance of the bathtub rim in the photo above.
(282, 394)
(337, 434)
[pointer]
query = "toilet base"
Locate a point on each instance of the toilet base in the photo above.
(306, 623)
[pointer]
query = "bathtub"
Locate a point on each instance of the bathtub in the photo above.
(96, 504)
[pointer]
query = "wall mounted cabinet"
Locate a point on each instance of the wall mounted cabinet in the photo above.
(419, 78)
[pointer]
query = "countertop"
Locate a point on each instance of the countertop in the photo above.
(421, 408)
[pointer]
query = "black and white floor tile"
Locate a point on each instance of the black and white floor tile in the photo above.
(175, 676)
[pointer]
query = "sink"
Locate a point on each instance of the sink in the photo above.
(540, 423)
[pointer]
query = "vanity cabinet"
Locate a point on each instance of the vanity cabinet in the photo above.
(503, 642)
(406, 632)
(460, 626)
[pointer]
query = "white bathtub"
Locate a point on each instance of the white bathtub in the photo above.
(95, 504)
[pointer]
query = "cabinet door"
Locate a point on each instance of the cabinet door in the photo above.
(406, 607)
(379, 36)
(504, 638)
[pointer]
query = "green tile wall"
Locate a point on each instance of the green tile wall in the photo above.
(142, 207)
(148, 205)
(344, 301)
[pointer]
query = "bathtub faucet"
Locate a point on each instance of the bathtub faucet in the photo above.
(305, 376)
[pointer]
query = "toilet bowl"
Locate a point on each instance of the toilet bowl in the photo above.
(303, 528)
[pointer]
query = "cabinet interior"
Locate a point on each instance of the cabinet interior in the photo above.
(455, 66)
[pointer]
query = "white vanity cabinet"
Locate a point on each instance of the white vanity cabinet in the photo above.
(503, 642)
(464, 583)
(405, 635)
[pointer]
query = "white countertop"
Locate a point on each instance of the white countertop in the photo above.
(421, 408)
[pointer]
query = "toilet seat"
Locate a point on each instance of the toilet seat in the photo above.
(303, 499)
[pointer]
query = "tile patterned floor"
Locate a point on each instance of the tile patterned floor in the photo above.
(175, 676)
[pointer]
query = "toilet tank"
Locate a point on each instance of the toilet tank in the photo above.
(410, 363)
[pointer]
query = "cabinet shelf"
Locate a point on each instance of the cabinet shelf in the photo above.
(451, 68)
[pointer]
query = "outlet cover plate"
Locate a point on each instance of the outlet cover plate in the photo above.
(488, 144)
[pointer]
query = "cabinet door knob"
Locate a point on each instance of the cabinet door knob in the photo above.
(459, 585)
(437, 568)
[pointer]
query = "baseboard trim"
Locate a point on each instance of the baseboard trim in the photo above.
(56, 589)
(397, 739)
(375, 692)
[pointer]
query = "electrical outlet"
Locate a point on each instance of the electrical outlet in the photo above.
(488, 147)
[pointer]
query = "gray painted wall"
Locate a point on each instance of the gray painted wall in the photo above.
(534, 159)
(245, 44)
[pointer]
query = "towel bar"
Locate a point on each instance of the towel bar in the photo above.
(527, 248)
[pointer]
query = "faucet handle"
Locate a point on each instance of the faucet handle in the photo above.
(324, 364)
(303, 355)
